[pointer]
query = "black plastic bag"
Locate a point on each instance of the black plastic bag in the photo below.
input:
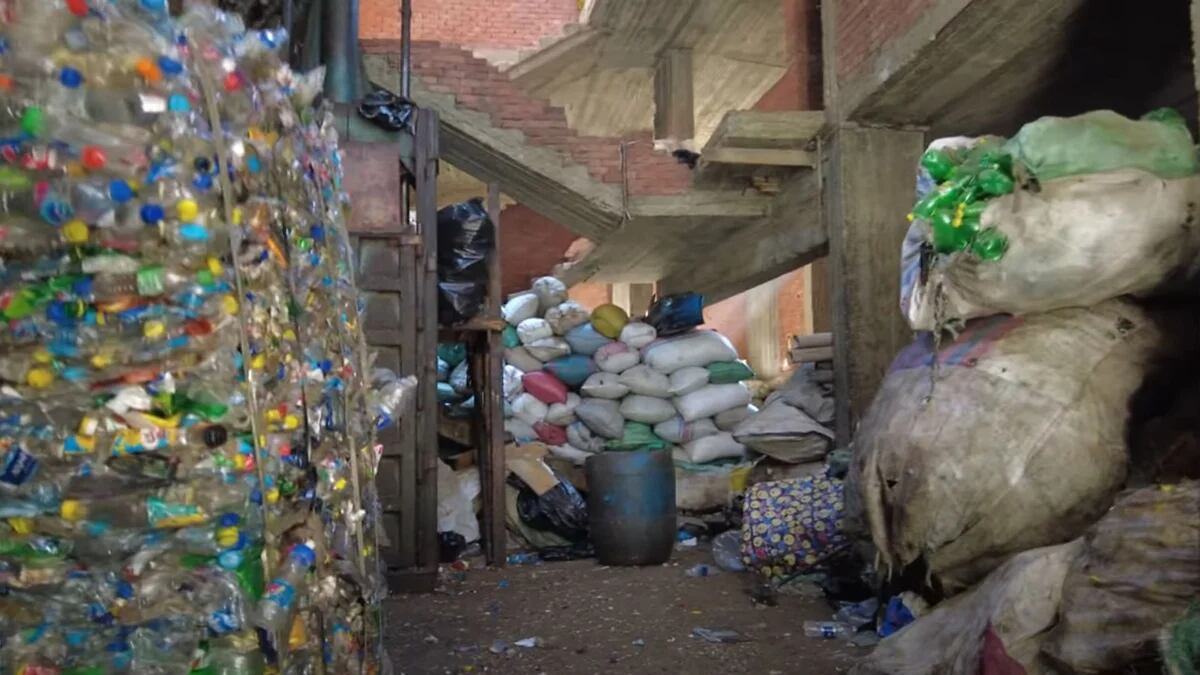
(450, 546)
(676, 314)
(466, 236)
(561, 510)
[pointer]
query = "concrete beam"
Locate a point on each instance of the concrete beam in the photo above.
(948, 63)
(784, 130)
(868, 188)
(674, 97)
(759, 157)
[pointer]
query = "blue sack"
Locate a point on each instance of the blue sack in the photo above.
(572, 370)
(585, 339)
(676, 314)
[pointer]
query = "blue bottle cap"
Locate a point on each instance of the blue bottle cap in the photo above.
(231, 559)
(152, 214)
(229, 520)
(124, 590)
(253, 164)
(70, 78)
(318, 232)
(304, 555)
(119, 191)
(179, 103)
(193, 232)
(203, 181)
(155, 5)
(169, 65)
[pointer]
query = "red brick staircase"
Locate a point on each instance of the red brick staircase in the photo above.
(477, 85)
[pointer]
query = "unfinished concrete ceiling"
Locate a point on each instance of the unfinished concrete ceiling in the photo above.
(602, 73)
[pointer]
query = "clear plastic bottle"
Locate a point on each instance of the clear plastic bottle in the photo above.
(278, 605)
(828, 630)
(727, 551)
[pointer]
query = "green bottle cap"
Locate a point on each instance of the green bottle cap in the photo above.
(33, 121)
(151, 280)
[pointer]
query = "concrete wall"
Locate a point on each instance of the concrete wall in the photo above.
(476, 24)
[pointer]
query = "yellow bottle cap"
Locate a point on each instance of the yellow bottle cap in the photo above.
(75, 232)
(187, 209)
(215, 266)
(42, 355)
(73, 510)
(40, 378)
(153, 329)
(227, 536)
(291, 422)
(230, 304)
(21, 525)
(101, 360)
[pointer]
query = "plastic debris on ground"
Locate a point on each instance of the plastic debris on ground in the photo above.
(186, 412)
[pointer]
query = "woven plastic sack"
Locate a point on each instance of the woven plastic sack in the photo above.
(637, 436)
(563, 414)
(712, 400)
(603, 417)
(527, 408)
(585, 340)
(720, 445)
(532, 330)
(573, 370)
(646, 381)
(548, 349)
(545, 387)
(637, 334)
(686, 380)
(550, 292)
(1017, 441)
(609, 320)
(791, 526)
(604, 385)
(676, 314)
(616, 357)
(566, 316)
(698, 348)
(786, 433)
(1102, 140)
(510, 338)
(729, 372)
(1018, 602)
(453, 353)
(580, 436)
(728, 420)
(522, 359)
(519, 308)
(550, 434)
(1138, 573)
(1076, 242)
(512, 378)
(647, 409)
(676, 430)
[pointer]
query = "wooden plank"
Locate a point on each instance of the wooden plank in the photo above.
(427, 329)
(821, 291)
(1195, 17)
(674, 97)
(868, 188)
(784, 130)
(761, 156)
(406, 546)
(492, 453)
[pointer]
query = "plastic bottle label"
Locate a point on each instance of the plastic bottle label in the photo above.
(19, 465)
(162, 514)
(828, 632)
(281, 593)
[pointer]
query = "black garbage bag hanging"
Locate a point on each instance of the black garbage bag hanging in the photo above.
(466, 236)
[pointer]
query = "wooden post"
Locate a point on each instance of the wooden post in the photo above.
(674, 105)
(426, 171)
(491, 452)
(867, 190)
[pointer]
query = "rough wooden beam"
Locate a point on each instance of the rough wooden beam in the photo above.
(674, 97)
(868, 187)
(785, 130)
(1195, 15)
(759, 156)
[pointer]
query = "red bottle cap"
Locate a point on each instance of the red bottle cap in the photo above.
(94, 158)
(78, 7)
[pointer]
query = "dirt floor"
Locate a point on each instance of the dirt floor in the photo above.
(592, 619)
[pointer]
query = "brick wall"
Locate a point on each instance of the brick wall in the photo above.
(530, 246)
(864, 27)
(477, 24)
(800, 87)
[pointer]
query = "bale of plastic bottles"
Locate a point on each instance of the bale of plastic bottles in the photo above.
(187, 417)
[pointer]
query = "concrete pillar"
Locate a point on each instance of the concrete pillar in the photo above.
(674, 94)
(762, 330)
(867, 190)
(633, 298)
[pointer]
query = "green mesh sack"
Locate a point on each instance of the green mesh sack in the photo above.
(1102, 140)
(729, 372)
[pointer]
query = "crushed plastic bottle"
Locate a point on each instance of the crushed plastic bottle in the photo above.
(829, 630)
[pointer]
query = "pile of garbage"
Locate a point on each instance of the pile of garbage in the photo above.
(991, 465)
(187, 411)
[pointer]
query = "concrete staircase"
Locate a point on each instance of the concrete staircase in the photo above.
(495, 131)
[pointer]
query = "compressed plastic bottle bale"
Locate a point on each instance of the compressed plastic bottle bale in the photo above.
(698, 348)
(686, 380)
(609, 320)
(572, 370)
(566, 316)
(532, 330)
(585, 340)
(616, 357)
(545, 387)
(527, 408)
(729, 372)
(646, 409)
(638, 334)
(712, 400)
(519, 308)
(711, 448)
(604, 385)
(563, 414)
(548, 349)
(646, 381)
(678, 430)
(602, 416)
(522, 359)
(550, 291)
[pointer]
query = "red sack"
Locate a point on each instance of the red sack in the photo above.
(550, 434)
(994, 659)
(545, 387)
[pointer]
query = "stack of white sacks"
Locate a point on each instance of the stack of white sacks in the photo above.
(585, 382)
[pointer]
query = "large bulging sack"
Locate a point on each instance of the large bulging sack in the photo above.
(1076, 242)
(711, 400)
(1017, 443)
(786, 433)
(698, 348)
(1019, 601)
(1139, 572)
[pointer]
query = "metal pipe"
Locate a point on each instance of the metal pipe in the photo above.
(406, 48)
